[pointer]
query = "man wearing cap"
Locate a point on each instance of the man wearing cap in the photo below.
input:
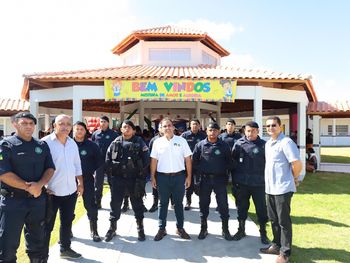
(248, 180)
(211, 162)
(91, 159)
(193, 136)
(128, 157)
(170, 154)
(282, 169)
(25, 167)
(103, 138)
(65, 185)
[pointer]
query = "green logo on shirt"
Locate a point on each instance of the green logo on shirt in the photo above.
(83, 152)
(107, 137)
(38, 150)
(217, 152)
(255, 150)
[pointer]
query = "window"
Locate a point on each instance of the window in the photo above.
(208, 59)
(169, 54)
(330, 130)
(342, 129)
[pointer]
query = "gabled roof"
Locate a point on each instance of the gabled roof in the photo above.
(166, 72)
(169, 33)
(329, 109)
(9, 106)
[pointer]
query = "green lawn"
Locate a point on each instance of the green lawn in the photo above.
(335, 154)
(321, 219)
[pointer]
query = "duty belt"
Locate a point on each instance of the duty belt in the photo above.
(15, 194)
(171, 174)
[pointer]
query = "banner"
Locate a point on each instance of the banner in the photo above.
(170, 90)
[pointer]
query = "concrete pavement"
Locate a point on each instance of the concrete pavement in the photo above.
(125, 248)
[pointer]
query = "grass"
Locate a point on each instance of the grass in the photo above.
(79, 212)
(321, 219)
(335, 154)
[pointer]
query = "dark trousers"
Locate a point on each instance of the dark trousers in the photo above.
(16, 213)
(171, 186)
(155, 193)
(278, 209)
(119, 186)
(89, 197)
(218, 185)
(99, 180)
(189, 190)
(243, 195)
(66, 205)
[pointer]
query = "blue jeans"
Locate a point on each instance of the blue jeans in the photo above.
(171, 186)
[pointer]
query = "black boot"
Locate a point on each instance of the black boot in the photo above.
(263, 236)
(37, 260)
(111, 231)
(98, 203)
(140, 231)
(204, 229)
(126, 204)
(93, 231)
(188, 204)
(241, 231)
(154, 206)
(225, 232)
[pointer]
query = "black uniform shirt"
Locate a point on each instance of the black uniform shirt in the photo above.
(103, 139)
(230, 139)
(90, 156)
(249, 162)
(193, 138)
(212, 158)
(133, 148)
(28, 160)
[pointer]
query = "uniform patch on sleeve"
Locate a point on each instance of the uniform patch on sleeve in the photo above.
(145, 148)
(1, 158)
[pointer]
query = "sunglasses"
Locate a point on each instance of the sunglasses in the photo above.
(271, 125)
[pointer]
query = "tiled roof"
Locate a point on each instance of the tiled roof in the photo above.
(169, 33)
(14, 105)
(149, 72)
(328, 108)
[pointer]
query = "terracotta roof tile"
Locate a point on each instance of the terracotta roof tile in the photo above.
(324, 108)
(14, 105)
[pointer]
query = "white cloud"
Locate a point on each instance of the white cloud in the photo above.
(59, 35)
(218, 31)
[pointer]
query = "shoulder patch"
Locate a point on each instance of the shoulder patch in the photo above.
(145, 148)
(12, 140)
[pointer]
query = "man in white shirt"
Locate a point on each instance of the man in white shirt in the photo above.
(66, 183)
(169, 155)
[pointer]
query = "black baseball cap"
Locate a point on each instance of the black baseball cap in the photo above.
(213, 125)
(26, 115)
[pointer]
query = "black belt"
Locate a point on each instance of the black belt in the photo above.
(212, 176)
(171, 174)
(15, 194)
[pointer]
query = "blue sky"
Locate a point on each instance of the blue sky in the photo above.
(289, 36)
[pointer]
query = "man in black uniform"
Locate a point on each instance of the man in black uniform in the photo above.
(230, 136)
(103, 138)
(248, 179)
(25, 167)
(90, 157)
(211, 161)
(193, 136)
(128, 157)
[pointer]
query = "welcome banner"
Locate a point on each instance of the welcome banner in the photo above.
(170, 90)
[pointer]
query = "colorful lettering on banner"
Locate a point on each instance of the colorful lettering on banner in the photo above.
(170, 90)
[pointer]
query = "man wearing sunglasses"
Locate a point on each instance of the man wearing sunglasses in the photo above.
(282, 169)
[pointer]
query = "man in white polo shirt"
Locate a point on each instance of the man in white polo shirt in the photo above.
(66, 183)
(169, 155)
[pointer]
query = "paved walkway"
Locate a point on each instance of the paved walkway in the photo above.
(335, 167)
(125, 248)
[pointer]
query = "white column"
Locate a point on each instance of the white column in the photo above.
(121, 110)
(77, 109)
(302, 135)
(198, 110)
(34, 109)
(47, 122)
(316, 121)
(218, 113)
(258, 109)
(141, 115)
(334, 128)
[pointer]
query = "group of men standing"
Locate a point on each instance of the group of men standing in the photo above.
(194, 162)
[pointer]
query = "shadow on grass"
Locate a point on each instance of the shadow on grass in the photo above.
(301, 220)
(311, 255)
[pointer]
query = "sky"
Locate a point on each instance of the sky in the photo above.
(311, 37)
